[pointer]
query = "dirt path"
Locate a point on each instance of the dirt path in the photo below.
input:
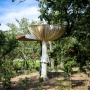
(55, 82)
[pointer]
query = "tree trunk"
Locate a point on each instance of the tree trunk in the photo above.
(62, 63)
(52, 63)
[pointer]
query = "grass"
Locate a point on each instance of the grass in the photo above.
(31, 64)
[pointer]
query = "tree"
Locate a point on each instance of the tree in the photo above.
(7, 46)
(72, 14)
(63, 12)
(20, 1)
(25, 49)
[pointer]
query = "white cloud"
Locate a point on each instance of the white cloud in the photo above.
(4, 27)
(30, 13)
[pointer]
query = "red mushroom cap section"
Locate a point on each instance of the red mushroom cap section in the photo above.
(25, 38)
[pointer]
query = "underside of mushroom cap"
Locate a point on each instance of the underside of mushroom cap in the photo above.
(46, 32)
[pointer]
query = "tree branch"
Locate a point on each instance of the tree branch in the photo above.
(21, 1)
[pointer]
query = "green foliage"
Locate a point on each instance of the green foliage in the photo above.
(36, 22)
(25, 49)
(41, 79)
(18, 63)
(67, 52)
(74, 47)
(7, 47)
(2, 38)
(23, 81)
(6, 73)
(13, 0)
(69, 63)
(62, 11)
(34, 64)
(71, 53)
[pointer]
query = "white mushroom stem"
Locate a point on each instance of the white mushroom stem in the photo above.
(50, 43)
(44, 60)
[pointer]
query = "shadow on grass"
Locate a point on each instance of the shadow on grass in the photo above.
(54, 74)
(76, 83)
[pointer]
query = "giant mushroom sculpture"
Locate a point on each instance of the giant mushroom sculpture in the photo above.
(43, 33)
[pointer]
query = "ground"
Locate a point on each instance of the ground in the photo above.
(55, 82)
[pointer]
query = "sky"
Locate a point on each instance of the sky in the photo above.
(9, 11)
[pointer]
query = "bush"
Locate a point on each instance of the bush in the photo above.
(6, 73)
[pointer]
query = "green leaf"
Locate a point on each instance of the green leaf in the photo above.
(13, 0)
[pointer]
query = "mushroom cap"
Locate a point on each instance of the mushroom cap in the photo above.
(26, 37)
(46, 32)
